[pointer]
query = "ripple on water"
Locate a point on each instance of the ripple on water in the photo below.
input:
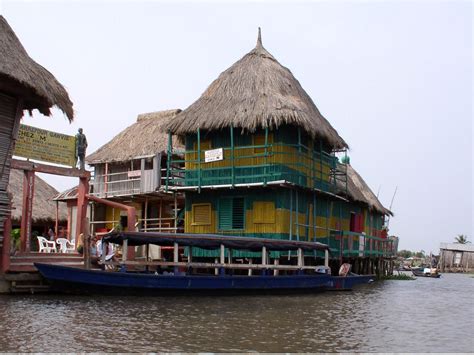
(425, 315)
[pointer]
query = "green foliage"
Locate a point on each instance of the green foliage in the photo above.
(461, 239)
(405, 253)
(420, 254)
(15, 238)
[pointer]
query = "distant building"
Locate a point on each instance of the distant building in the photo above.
(455, 257)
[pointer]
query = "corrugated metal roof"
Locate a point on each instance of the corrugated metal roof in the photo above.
(456, 246)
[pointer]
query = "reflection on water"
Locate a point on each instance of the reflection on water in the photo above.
(425, 315)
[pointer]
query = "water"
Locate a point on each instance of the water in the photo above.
(426, 315)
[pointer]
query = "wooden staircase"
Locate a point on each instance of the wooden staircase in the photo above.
(23, 275)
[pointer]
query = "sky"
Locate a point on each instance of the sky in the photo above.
(394, 78)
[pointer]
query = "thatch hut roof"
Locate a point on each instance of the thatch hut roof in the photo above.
(359, 191)
(20, 72)
(256, 92)
(145, 137)
(44, 208)
(67, 195)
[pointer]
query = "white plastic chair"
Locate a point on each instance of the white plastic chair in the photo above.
(46, 246)
(66, 246)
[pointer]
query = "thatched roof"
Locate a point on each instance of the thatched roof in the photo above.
(145, 137)
(359, 191)
(42, 89)
(256, 92)
(44, 208)
(67, 195)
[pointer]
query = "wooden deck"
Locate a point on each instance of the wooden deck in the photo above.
(24, 262)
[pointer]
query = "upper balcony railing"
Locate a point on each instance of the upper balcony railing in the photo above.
(126, 183)
(256, 164)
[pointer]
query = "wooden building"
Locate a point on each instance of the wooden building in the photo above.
(130, 169)
(24, 85)
(456, 257)
(260, 160)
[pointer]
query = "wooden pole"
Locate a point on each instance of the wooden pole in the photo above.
(175, 212)
(232, 154)
(175, 256)
(199, 158)
(168, 159)
(27, 210)
(222, 259)
(56, 224)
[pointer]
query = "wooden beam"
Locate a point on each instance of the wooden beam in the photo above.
(49, 169)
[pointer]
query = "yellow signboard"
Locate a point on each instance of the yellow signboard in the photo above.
(40, 144)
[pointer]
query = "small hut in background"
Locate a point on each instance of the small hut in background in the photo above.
(24, 85)
(130, 169)
(47, 213)
(456, 257)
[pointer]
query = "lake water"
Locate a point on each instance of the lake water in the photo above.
(425, 315)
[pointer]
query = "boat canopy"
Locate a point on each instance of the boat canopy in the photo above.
(209, 241)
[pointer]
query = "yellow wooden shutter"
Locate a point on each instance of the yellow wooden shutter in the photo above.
(201, 214)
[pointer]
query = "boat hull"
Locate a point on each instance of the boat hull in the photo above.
(76, 280)
(419, 273)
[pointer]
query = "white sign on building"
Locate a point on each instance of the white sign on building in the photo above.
(213, 155)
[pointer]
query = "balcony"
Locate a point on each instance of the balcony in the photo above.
(127, 183)
(275, 163)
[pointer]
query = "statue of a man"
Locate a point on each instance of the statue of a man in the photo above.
(81, 145)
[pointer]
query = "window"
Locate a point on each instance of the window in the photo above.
(231, 213)
(263, 212)
(201, 214)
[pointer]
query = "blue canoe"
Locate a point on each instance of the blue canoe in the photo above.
(298, 278)
(76, 280)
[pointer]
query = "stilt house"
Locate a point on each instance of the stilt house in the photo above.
(261, 161)
(130, 169)
(24, 85)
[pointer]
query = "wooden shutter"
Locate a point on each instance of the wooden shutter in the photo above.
(225, 213)
(201, 214)
(231, 213)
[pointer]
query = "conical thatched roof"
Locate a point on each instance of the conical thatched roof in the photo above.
(359, 191)
(43, 90)
(44, 208)
(255, 92)
(145, 137)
